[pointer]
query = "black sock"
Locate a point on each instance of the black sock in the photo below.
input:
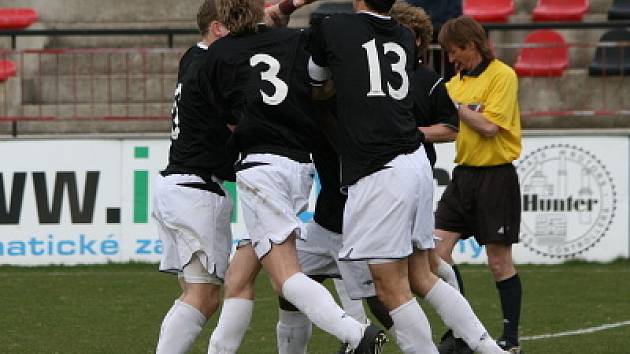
(510, 293)
(380, 312)
(460, 282)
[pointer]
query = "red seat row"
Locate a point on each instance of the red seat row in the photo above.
(7, 69)
(545, 54)
(545, 10)
(17, 18)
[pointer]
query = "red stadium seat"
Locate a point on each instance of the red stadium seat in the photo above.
(489, 10)
(551, 58)
(560, 10)
(17, 18)
(7, 69)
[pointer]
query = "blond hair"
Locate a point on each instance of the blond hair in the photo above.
(416, 20)
(240, 15)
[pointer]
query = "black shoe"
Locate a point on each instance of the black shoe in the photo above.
(447, 343)
(509, 346)
(372, 342)
(461, 347)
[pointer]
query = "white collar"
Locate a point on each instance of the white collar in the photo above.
(202, 45)
(374, 14)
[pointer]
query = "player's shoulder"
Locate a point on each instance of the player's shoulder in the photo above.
(425, 78)
(498, 68)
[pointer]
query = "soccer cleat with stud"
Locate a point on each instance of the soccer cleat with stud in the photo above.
(509, 347)
(447, 343)
(372, 342)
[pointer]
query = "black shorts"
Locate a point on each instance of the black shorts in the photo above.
(484, 202)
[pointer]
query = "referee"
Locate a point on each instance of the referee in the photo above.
(483, 199)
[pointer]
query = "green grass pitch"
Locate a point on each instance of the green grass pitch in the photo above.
(119, 308)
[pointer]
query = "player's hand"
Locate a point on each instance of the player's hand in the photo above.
(275, 18)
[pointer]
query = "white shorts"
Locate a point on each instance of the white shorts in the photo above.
(390, 212)
(318, 256)
(273, 191)
(190, 220)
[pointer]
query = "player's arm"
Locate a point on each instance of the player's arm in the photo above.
(477, 121)
(438, 133)
(443, 120)
(278, 15)
(318, 71)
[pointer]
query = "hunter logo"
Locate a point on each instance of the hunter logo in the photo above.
(568, 200)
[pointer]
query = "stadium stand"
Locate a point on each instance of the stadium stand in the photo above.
(17, 18)
(560, 10)
(111, 72)
(619, 10)
(549, 55)
(489, 10)
(7, 69)
(612, 56)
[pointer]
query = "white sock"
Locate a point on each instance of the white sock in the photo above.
(180, 328)
(352, 307)
(293, 332)
(456, 313)
(489, 346)
(236, 314)
(315, 301)
(412, 329)
(446, 272)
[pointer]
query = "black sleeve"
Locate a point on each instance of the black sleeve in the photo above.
(443, 109)
(317, 43)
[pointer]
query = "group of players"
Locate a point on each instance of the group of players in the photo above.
(269, 106)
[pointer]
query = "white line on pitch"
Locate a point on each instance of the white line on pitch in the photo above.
(578, 331)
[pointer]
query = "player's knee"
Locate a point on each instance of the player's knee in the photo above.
(501, 266)
(204, 297)
(237, 285)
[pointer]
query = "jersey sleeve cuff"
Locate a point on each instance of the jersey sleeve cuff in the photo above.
(318, 74)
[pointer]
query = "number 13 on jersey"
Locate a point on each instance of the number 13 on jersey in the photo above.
(374, 66)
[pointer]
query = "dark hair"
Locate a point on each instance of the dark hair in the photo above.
(380, 6)
(241, 15)
(206, 14)
(463, 30)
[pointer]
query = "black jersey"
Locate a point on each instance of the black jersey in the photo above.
(261, 78)
(199, 136)
(432, 105)
(371, 59)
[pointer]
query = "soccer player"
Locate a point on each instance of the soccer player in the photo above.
(371, 57)
(381, 152)
(191, 207)
(483, 198)
(260, 76)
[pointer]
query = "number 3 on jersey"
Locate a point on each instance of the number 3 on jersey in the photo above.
(398, 67)
(281, 90)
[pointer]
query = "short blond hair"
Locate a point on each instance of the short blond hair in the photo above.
(241, 15)
(416, 19)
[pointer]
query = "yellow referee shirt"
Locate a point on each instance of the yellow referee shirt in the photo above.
(496, 89)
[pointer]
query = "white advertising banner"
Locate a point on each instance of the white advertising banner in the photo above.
(89, 201)
(574, 200)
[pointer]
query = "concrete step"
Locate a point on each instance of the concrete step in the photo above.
(85, 126)
(88, 111)
(596, 6)
(100, 61)
(575, 90)
(99, 88)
